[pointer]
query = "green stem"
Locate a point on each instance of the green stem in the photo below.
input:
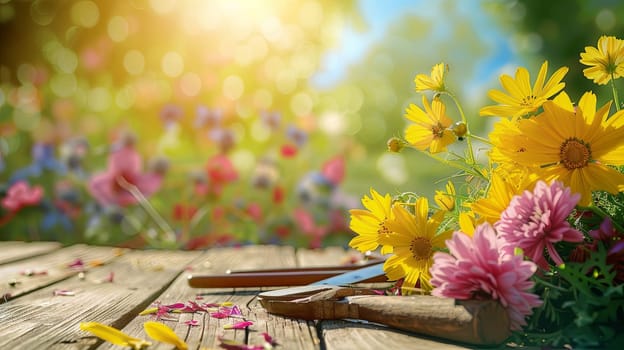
(466, 169)
(482, 139)
(615, 93)
(471, 157)
(603, 214)
(146, 205)
(550, 285)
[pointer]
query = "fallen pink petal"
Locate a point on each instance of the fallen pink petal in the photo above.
(191, 307)
(109, 278)
(219, 315)
(192, 323)
(33, 272)
(238, 325)
(236, 311)
(64, 292)
(175, 306)
(76, 264)
(230, 344)
(269, 339)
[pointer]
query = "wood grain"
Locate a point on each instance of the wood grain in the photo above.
(207, 334)
(42, 320)
(344, 335)
(37, 319)
(27, 275)
(11, 251)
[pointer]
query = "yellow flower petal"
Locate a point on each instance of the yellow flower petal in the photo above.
(162, 333)
(151, 310)
(467, 223)
(605, 61)
(520, 98)
(414, 241)
(113, 335)
(435, 82)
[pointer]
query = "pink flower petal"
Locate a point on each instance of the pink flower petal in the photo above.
(64, 292)
(478, 267)
(175, 306)
(109, 278)
(33, 272)
(76, 264)
(219, 315)
(238, 325)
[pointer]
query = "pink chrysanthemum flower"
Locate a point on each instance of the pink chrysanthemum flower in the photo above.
(536, 220)
(478, 269)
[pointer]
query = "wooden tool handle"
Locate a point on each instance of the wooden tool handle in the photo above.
(472, 321)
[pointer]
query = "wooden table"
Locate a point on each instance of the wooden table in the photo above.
(33, 316)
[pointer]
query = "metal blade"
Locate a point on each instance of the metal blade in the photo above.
(355, 276)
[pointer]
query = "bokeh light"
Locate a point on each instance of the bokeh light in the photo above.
(118, 29)
(172, 64)
(85, 13)
(297, 82)
(134, 62)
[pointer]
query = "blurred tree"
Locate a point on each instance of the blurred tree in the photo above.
(559, 30)
(377, 89)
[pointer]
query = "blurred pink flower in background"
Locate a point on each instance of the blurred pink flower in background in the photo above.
(124, 166)
(221, 172)
(307, 225)
(334, 170)
(20, 195)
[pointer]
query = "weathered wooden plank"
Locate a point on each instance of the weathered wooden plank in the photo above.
(11, 251)
(291, 334)
(343, 335)
(288, 332)
(27, 275)
(42, 320)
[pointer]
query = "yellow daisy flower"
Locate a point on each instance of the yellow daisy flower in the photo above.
(502, 130)
(435, 82)
(576, 147)
(522, 99)
(605, 61)
(370, 223)
(430, 128)
(414, 242)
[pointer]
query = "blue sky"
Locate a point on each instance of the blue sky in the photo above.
(380, 14)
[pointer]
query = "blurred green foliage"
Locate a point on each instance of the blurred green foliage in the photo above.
(558, 30)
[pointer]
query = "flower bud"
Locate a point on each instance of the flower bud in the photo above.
(395, 144)
(459, 129)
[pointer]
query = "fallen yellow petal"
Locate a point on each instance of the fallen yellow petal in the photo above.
(151, 310)
(159, 331)
(113, 335)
